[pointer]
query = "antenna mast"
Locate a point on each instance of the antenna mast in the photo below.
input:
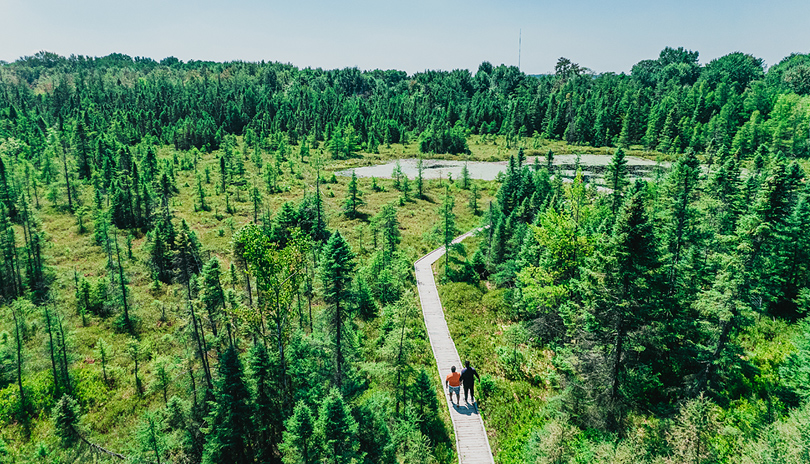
(520, 40)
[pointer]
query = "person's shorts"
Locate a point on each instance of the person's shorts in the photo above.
(455, 390)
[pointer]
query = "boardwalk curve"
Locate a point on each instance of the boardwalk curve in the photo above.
(472, 443)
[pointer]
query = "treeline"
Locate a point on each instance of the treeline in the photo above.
(668, 104)
(661, 301)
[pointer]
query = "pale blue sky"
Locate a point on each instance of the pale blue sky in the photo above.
(412, 35)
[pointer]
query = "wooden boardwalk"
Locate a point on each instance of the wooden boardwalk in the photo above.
(472, 443)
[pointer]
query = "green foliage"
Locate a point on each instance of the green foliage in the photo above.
(65, 417)
(795, 371)
(336, 276)
(301, 445)
(336, 430)
(440, 138)
(229, 422)
(126, 136)
(353, 200)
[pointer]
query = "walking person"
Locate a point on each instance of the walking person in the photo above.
(453, 384)
(468, 376)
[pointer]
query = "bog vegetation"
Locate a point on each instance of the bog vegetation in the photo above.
(184, 279)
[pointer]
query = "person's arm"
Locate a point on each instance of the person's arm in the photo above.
(476, 375)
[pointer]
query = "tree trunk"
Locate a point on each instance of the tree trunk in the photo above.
(617, 357)
(124, 302)
(19, 360)
(50, 349)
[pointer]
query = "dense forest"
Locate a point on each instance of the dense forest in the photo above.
(185, 279)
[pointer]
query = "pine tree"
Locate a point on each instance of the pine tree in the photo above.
(447, 225)
(228, 439)
(65, 417)
(337, 430)
(621, 293)
(213, 297)
(52, 348)
(420, 183)
(256, 199)
(135, 353)
(405, 187)
(795, 252)
(187, 260)
(397, 175)
(301, 445)
(151, 439)
(223, 174)
(8, 194)
(18, 317)
(201, 204)
(465, 176)
(163, 376)
(373, 435)
(336, 276)
(123, 282)
(353, 200)
(104, 357)
(616, 181)
(82, 149)
(474, 197)
(268, 405)
(426, 404)
(161, 255)
(681, 214)
(388, 224)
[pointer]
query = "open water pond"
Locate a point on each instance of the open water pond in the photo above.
(592, 166)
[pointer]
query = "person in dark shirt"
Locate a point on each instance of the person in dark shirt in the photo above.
(468, 376)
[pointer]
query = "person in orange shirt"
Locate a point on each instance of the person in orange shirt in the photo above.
(453, 384)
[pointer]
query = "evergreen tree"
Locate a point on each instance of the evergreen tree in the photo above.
(268, 405)
(213, 297)
(681, 215)
(81, 146)
(18, 316)
(229, 429)
(622, 279)
(336, 275)
(616, 181)
(405, 188)
(256, 199)
(465, 176)
(474, 197)
(447, 225)
(163, 377)
(353, 200)
(388, 224)
(151, 438)
(337, 430)
(420, 183)
(373, 435)
(187, 260)
(65, 418)
(301, 445)
(201, 204)
(161, 256)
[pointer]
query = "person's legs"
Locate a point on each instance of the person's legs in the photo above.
(466, 392)
(457, 391)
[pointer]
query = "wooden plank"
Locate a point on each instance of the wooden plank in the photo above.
(472, 443)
